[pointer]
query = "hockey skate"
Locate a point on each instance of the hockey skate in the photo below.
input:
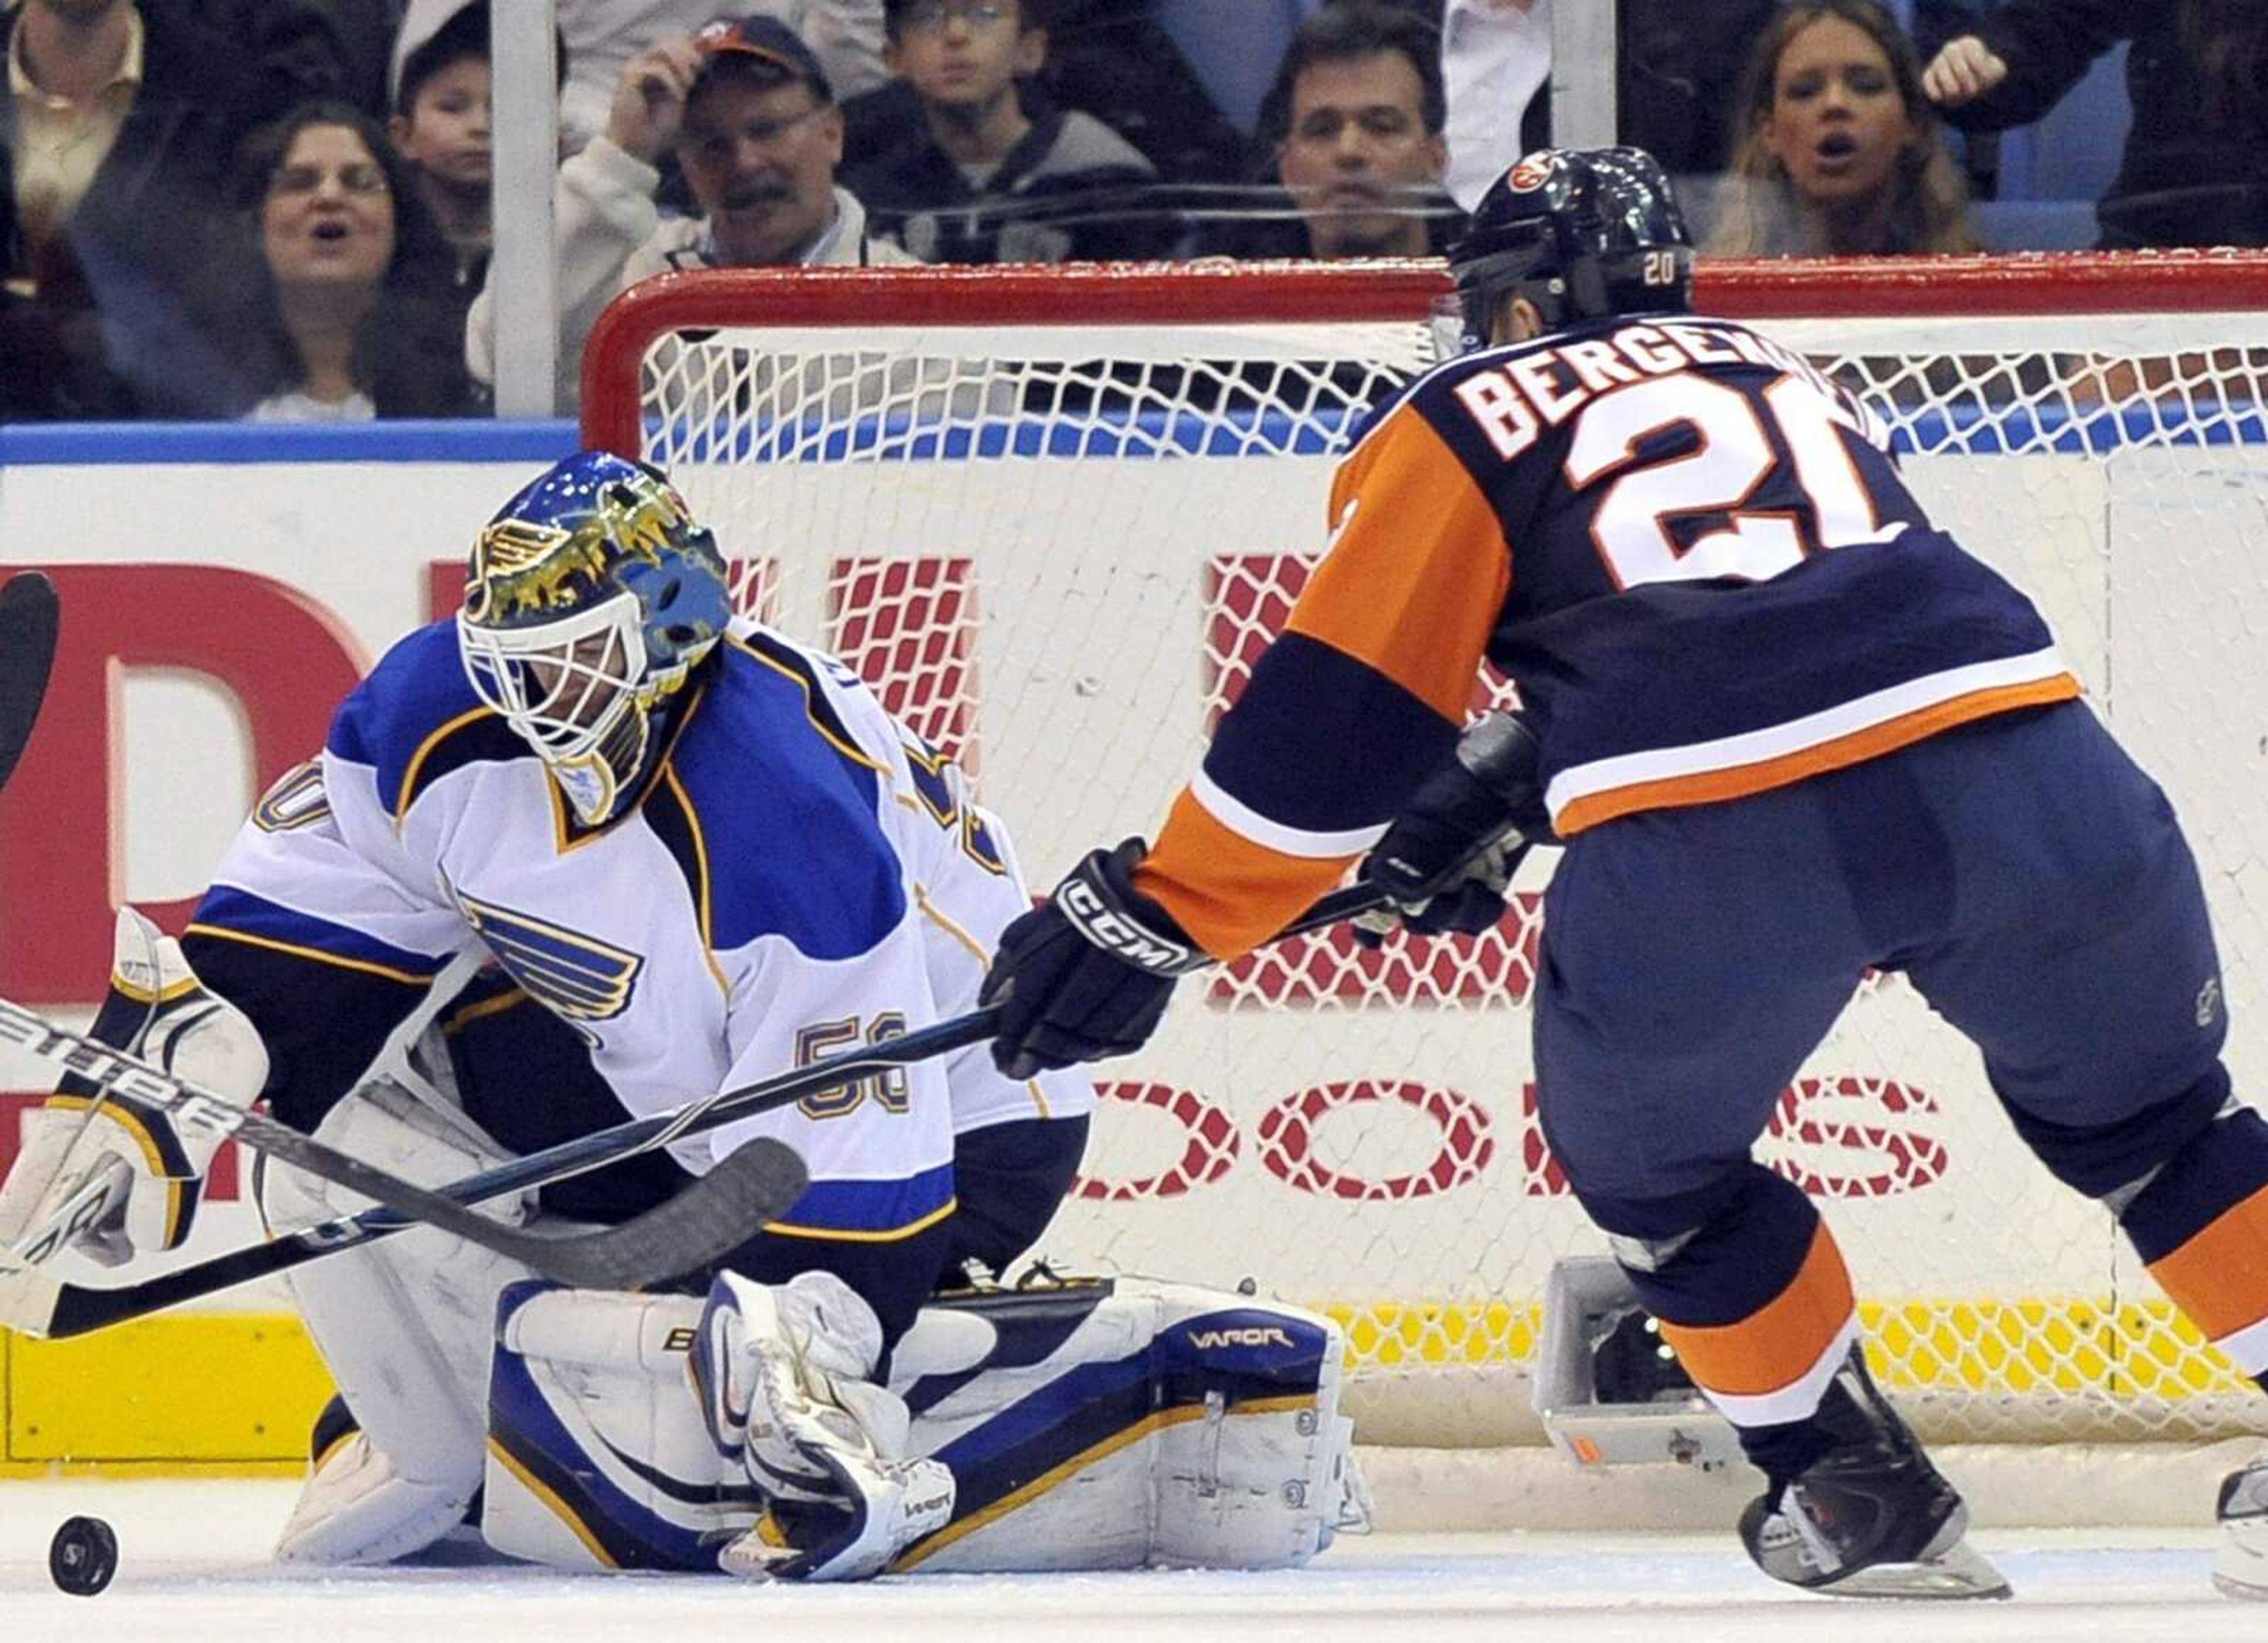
(1872, 1517)
(2240, 1567)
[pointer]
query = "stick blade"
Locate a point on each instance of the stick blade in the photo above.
(760, 1181)
(29, 1300)
(29, 617)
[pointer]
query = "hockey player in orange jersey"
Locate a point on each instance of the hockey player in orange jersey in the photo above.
(1788, 731)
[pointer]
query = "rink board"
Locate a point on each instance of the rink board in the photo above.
(216, 1394)
(162, 732)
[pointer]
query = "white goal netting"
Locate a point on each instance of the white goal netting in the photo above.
(1054, 516)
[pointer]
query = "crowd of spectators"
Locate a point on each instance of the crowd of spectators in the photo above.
(279, 210)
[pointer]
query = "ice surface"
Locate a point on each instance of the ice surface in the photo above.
(193, 1565)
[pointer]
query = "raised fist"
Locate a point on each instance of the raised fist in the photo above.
(1962, 73)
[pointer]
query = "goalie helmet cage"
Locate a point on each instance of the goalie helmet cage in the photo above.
(1053, 515)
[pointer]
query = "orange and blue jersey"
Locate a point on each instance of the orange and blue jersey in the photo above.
(1691, 552)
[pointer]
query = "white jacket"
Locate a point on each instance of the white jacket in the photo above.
(1496, 55)
(611, 235)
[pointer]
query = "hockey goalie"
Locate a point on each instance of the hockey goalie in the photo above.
(591, 851)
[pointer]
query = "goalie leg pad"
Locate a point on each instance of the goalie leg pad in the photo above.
(1089, 1426)
(598, 1457)
(1131, 1423)
(404, 1326)
(622, 1427)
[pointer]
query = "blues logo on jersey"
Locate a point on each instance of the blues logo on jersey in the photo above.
(580, 978)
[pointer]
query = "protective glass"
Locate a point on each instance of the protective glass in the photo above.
(1451, 335)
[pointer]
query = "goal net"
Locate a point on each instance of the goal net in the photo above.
(1053, 517)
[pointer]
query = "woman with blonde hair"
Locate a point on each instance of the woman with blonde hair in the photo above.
(1839, 152)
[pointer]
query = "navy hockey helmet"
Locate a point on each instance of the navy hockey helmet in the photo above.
(591, 595)
(1580, 232)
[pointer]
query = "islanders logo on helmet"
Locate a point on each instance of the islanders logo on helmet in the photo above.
(1530, 173)
(591, 596)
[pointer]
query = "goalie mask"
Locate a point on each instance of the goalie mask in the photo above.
(592, 596)
(1582, 233)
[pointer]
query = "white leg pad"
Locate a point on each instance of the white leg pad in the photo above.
(404, 1326)
(1095, 1426)
(1210, 1437)
(356, 1508)
(598, 1457)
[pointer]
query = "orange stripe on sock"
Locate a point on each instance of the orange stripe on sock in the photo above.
(2219, 1276)
(1781, 1341)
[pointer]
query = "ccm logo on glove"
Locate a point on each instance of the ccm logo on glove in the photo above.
(1094, 917)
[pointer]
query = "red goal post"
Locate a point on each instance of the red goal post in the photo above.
(1052, 514)
(1857, 288)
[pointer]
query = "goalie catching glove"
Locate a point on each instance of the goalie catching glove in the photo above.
(1086, 975)
(121, 1179)
(785, 1372)
(1447, 862)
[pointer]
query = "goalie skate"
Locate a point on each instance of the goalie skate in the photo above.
(2240, 1567)
(1870, 1518)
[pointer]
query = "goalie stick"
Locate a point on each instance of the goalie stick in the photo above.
(717, 1212)
(28, 618)
(35, 1303)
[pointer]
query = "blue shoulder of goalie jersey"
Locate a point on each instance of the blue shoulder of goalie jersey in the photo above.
(415, 718)
(770, 805)
(768, 800)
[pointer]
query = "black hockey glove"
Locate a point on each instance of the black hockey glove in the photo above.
(1086, 976)
(1448, 859)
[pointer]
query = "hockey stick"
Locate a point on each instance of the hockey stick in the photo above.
(36, 1304)
(707, 1218)
(28, 618)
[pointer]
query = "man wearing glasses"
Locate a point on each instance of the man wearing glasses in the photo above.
(747, 110)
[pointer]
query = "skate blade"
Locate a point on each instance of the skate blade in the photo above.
(2239, 1568)
(1958, 1572)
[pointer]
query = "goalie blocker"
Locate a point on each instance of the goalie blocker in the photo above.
(1090, 1425)
(103, 1172)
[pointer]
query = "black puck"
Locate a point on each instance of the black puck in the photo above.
(82, 1556)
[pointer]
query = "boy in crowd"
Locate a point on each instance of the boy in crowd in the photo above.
(440, 126)
(993, 172)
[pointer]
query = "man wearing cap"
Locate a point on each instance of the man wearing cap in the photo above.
(748, 109)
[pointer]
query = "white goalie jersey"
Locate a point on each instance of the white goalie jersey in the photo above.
(800, 875)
